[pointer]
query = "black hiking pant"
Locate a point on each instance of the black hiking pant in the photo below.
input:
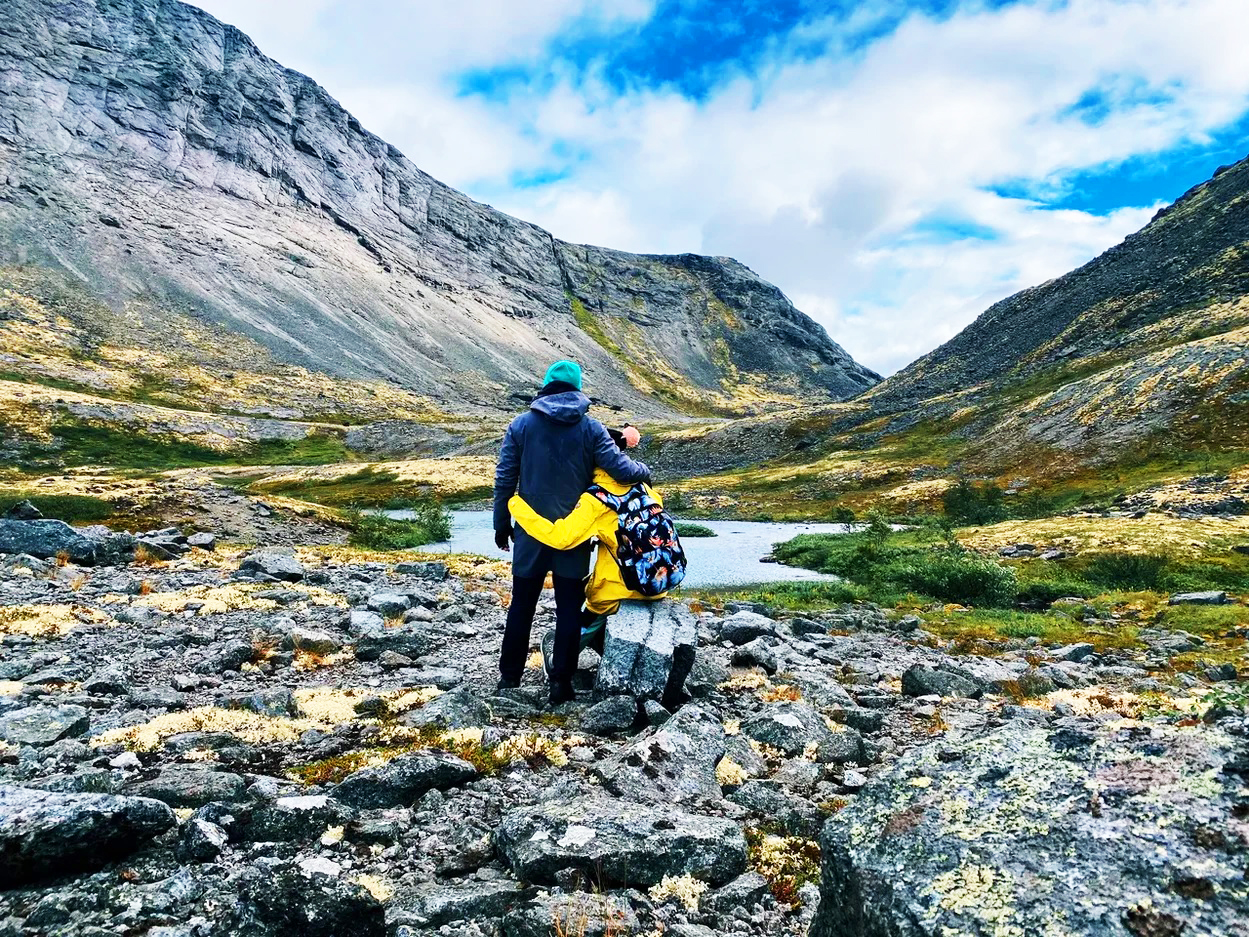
(569, 596)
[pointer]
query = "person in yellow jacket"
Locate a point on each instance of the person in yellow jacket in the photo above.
(591, 518)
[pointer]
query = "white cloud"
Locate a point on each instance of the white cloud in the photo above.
(813, 172)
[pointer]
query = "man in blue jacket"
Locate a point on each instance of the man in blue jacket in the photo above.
(549, 455)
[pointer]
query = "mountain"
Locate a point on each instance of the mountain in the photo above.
(188, 191)
(1142, 346)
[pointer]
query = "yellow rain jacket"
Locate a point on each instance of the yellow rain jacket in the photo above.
(590, 518)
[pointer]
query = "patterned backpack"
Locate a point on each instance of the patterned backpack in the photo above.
(648, 550)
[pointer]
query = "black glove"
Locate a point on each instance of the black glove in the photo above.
(501, 538)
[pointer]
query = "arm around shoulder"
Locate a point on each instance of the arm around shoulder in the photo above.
(610, 459)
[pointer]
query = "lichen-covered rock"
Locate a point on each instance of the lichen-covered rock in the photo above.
(675, 763)
(648, 651)
(401, 781)
(192, 787)
(1100, 832)
(576, 914)
(39, 726)
(44, 833)
(617, 843)
(274, 564)
(304, 903)
(797, 729)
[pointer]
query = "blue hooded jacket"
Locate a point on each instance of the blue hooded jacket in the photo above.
(549, 455)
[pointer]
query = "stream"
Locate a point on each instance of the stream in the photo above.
(731, 558)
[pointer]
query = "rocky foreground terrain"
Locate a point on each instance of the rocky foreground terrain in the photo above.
(309, 741)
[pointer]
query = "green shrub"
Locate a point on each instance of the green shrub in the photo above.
(955, 576)
(974, 504)
(694, 530)
(1043, 592)
(1126, 571)
(843, 515)
(430, 524)
(73, 509)
(948, 573)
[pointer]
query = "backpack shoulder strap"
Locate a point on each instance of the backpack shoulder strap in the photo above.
(615, 502)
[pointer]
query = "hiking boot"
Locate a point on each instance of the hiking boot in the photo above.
(562, 692)
(548, 655)
(506, 684)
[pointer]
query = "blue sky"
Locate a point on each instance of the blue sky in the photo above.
(894, 165)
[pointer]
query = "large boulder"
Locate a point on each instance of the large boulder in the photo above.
(192, 786)
(400, 782)
(1089, 832)
(675, 763)
(297, 902)
(40, 726)
(279, 564)
(86, 546)
(616, 843)
(46, 834)
(648, 651)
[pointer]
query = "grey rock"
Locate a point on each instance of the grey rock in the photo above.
(428, 570)
(46, 539)
(612, 715)
(436, 905)
(1213, 597)
(40, 726)
(23, 511)
(156, 698)
(675, 763)
(706, 674)
(745, 891)
(203, 541)
(107, 682)
(756, 653)
(192, 787)
(1016, 809)
(46, 834)
(744, 627)
(795, 728)
(230, 656)
(403, 780)
(298, 902)
(412, 643)
(617, 842)
(1170, 643)
(365, 623)
(314, 642)
(1073, 652)
(301, 818)
(648, 651)
(776, 806)
(201, 841)
(389, 604)
(655, 713)
(458, 709)
(577, 914)
(278, 701)
(919, 680)
(272, 563)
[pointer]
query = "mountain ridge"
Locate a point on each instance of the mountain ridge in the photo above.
(153, 151)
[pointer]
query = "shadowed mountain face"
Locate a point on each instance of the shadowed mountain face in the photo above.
(156, 156)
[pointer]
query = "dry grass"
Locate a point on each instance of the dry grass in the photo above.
(47, 621)
(1154, 533)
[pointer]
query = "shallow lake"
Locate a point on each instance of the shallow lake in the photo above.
(731, 558)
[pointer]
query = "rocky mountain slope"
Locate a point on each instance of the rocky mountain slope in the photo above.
(1149, 339)
(154, 157)
(1141, 354)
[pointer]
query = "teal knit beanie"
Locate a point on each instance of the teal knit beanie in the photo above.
(567, 371)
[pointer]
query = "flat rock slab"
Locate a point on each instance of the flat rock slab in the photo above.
(1199, 598)
(400, 782)
(45, 834)
(616, 843)
(86, 546)
(192, 787)
(276, 564)
(1089, 832)
(40, 726)
(648, 651)
(577, 914)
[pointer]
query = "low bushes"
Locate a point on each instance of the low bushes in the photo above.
(430, 523)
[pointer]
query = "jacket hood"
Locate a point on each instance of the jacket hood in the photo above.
(604, 480)
(567, 407)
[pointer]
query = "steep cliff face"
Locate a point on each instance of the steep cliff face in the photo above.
(157, 156)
